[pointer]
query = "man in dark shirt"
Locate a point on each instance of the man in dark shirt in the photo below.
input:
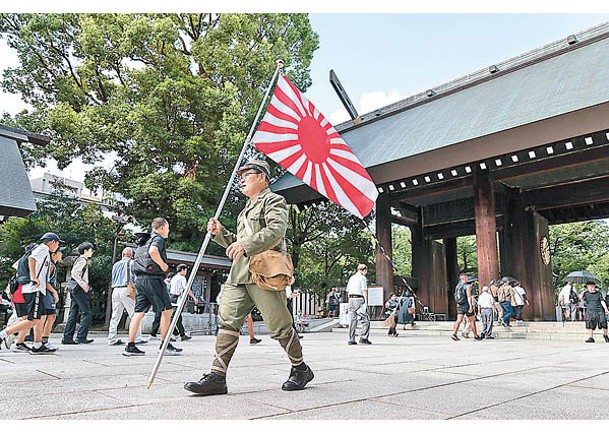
(150, 266)
(595, 311)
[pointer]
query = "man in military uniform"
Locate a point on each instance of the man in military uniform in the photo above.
(261, 226)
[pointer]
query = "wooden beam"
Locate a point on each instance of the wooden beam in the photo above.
(404, 221)
(569, 195)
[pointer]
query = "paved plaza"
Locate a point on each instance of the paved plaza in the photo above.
(408, 377)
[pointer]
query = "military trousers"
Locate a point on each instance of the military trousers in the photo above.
(239, 300)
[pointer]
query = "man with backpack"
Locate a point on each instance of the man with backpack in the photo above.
(465, 307)
(33, 292)
(150, 266)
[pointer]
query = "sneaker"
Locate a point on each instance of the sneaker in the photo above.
(140, 341)
(210, 384)
(364, 341)
(8, 340)
(185, 337)
(133, 351)
(42, 350)
(20, 348)
(153, 337)
(478, 338)
(67, 341)
(606, 338)
(590, 340)
(298, 379)
(455, 338)
(52, 347)
(116, 342)
(172, 351)
(490, 337)
(351, 342)
(86, 341)
(254, 341)
(396, 334)
(465, 334)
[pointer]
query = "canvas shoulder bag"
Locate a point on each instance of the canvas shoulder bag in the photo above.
(271, 270)
(130, 284)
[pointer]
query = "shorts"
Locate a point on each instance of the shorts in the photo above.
(151, 291)
(333, 308)
(594, 320)
(464, 309)
(34, 302)
(20, 310)
(49, 304)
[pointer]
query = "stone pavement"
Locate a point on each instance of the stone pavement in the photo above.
(408, 377)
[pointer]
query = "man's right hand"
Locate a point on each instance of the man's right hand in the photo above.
(213, 226)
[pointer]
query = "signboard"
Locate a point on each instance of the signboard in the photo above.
(375, 297)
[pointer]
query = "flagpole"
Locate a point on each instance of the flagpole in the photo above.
(195, 268)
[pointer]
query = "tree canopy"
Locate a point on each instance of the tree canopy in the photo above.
(170, 96)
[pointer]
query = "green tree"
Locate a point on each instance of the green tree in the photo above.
(327, 243)
(580, 246)
(402, 250)
(171, 96)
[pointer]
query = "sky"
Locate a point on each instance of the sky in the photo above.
(383, 58)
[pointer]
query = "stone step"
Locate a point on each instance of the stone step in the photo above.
(520, 330)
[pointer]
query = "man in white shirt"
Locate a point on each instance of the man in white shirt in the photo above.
(567, 303)
(486, 304)
(39, 262)
(357, 289)
(178, 285)
(520, 299)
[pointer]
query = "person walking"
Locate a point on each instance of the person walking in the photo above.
(596, 311)
(357, 289)
(122, 277)
(150, 266)
(568, 300)
(38, 262)
(391, 308)
(486, 305)
(79, 289)
(465, 307)
(177, 287)
(261, 226)
(333, 302)
(506, 298)
(50, 301)
(520, 300)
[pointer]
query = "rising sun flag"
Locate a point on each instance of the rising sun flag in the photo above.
(298, 137)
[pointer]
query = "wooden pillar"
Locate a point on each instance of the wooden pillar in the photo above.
(537, 278)
(486, 227)
(384, 270)
(452, 274)
(422, 262)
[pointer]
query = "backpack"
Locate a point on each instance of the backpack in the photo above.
(143, 262)
(13, 284)
(461, 293)
(23, 269)
(573, 298)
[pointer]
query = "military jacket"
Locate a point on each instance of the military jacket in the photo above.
(267, 216)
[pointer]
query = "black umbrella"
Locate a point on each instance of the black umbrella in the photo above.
(581, 277)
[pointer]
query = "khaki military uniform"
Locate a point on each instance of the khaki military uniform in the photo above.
(267, 219)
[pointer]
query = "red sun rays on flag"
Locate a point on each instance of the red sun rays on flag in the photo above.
(298, 137)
